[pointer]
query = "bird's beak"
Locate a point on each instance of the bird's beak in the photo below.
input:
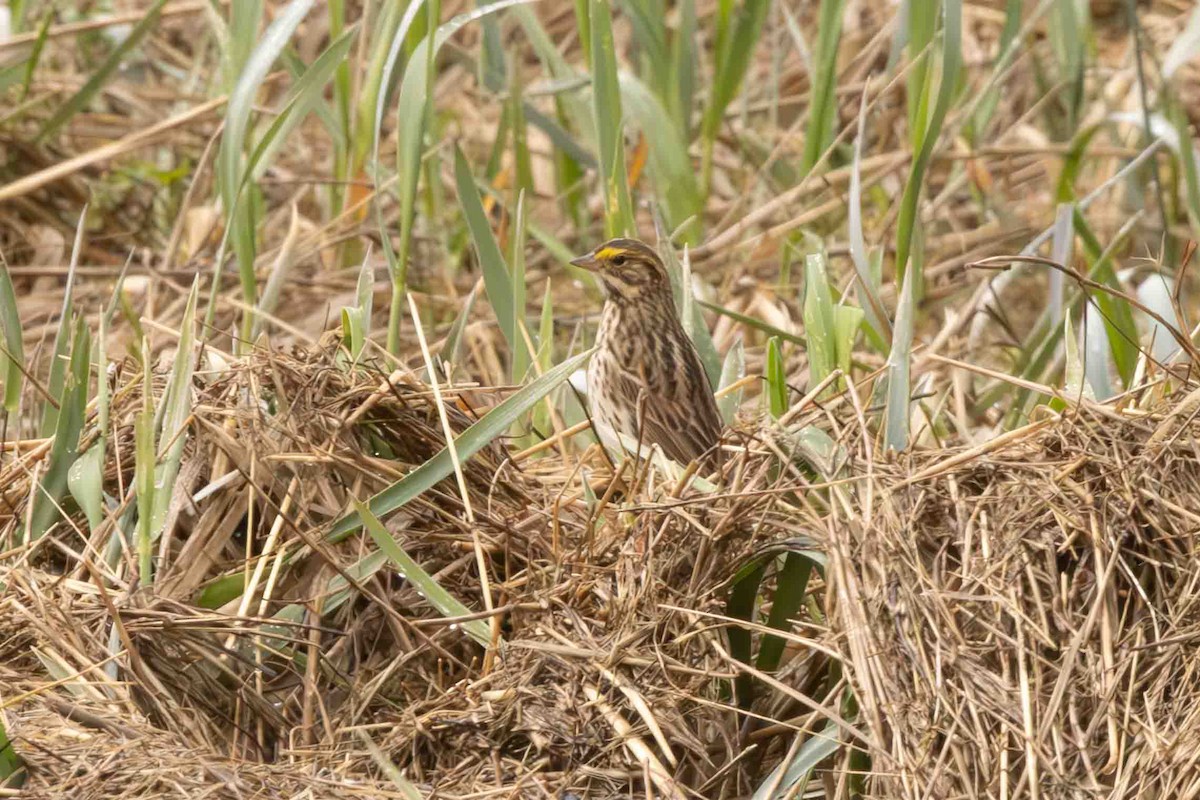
(587, 262)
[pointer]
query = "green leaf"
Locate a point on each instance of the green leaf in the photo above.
(72, 402)
(85, 479)
(776, 376)
(897, 370)
(735, 45)
(606, 101)
(338, 589)
(453, 343)
(469, 442)
(1074, 381)
(819, 325)
(100, 76)
(907, 219)
(356, 320)
(1096, 353)
(35, 53)
(790, 585)
(686, 305)
(11, 767)
(847, 320)
(496, 277)
(520, 351)
(12, 359)
(801, 766)
(222, 590)
(58, 364)
(413, 108)
(669, 165)
(174, 411)
(741, 605)
(302, 98)
(732, 370)
(822, 111)
(230, 160)
(879, 330)
(755, 323)
(421, 580)
(682, 75)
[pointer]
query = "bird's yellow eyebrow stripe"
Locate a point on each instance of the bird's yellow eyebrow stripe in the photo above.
(608, 253)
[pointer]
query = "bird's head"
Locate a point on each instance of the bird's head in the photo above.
(628, 269)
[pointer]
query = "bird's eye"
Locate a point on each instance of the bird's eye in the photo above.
(618, 261)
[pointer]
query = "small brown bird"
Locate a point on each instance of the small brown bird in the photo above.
(646, 380)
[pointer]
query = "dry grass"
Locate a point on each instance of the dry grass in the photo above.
(1008, 616)
(1002, 613)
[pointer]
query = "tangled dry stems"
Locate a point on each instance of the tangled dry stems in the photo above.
(1012, 621)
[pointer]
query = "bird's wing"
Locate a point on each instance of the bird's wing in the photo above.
(682, 417)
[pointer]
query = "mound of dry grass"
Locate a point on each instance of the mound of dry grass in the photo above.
(1011, 620)
(1022, 623)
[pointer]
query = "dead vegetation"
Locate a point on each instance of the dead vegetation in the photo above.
(1006, 610)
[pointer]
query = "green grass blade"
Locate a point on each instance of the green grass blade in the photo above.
(13, 357)
(606, 101)
(1187, 162)
(522, 159)
(1116, 312)
(732, 371)
(650, 35)
(800, 767)
(1074, 378)
(847, 320)
(492, 66)
(682, 75)
(176, 408)
(356, 320)
(11, 767)
(822, 111)
(35, 54)
(469, 442)
(898, 364)
(790, 586)
(879, 329)
(686, 305)
(496, 277)
(742, 605)
(413, 108)
(240, 38)
(819, 324)
(735, 45)
(101, 75)
(990, 99)
(73, 401)
(951, 64)
(421, 580)
(755, 323)
(920, 27)
(1096, 352)
(670, 168)
(145, 457)
(85, 479)
(516, 260)
(453, 344)
(304, 96)
(230, 159)
(776, 377)
(58, 366)
(1062, 246)
(338, 589)
(1157, 293)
